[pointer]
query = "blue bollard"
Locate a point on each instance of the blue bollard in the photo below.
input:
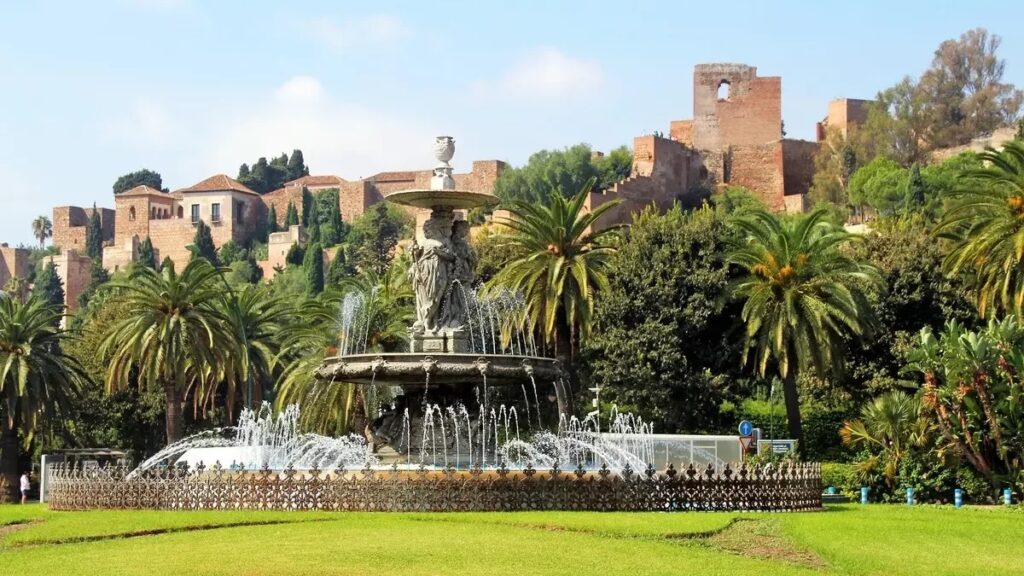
(958, 497)
(1007, 496)
(864, 495)
(910, 496)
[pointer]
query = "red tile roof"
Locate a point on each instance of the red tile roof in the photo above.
(325, 180)
(217, 183)
(143, 190)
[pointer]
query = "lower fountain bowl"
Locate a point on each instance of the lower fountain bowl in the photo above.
(410, 369)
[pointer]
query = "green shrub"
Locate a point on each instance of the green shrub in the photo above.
(841, 476)
(934, 481)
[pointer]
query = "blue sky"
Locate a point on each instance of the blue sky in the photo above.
(91, 90)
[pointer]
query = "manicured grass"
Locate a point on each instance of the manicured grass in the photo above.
(844, 540)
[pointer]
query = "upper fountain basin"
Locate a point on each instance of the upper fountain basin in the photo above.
(410, 369)
(453, 199)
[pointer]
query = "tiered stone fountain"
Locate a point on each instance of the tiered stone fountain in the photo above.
(452, 351)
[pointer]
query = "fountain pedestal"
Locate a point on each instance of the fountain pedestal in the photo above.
(444, 341)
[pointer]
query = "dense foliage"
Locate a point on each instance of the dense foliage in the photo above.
(661, 343)
(562, 171)
(144, 177)
(266, 176)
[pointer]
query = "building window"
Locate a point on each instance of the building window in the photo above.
(723, 90)
(181, 211)
(240, 212)
(215, 212)
(195, 213)
(131, 213)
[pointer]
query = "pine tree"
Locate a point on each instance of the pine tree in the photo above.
(49, 286)
(297, 165)
(339, 269)
(202, 244)
(915, 188)
(147, 256)
(313, 235)
(272, 220)
(94, 236)
(291, 216)
(314, 266)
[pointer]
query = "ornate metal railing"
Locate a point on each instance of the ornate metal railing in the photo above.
(780, 487)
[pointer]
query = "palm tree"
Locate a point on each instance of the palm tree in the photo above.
(42, 229)
(36, 376)
(559, 262)
(256, 319)
(803, 295)
(174, 336)
(889, 426)
(986, 222)
(333, 407)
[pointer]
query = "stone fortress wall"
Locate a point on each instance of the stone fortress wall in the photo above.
(733, 138)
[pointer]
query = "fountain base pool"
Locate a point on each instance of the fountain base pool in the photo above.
(785, 488)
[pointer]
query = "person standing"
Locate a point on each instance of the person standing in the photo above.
(26, 485)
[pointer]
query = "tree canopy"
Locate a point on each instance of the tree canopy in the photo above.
(264, 176)
(661, 344)
(138, 178)
(564, 171)
(961, 96)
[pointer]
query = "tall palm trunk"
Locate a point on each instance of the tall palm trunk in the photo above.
(8, 463)
(789, 391)
(564, 355)
(175, 416)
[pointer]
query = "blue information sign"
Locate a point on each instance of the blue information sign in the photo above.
(746, 428)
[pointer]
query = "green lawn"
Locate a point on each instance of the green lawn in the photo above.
(844, 540)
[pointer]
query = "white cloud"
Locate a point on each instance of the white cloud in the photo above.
(352, 33)
(300, 90)
(336, 137)
(545, 74)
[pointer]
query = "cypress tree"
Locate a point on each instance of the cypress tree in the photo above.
(314, 265)
(94, 236)
(313, 235)
(915, 188)
(272, 220)
(98, 276)
(332, 228)
(291, 216)
(202, 244)
(307, 206)
(339, 269)
(296, 255)
(49, 286)
(147, 256)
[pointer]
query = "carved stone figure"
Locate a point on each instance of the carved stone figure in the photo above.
(463, 275)
(432, 273)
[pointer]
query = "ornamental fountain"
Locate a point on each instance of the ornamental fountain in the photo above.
(444, 441)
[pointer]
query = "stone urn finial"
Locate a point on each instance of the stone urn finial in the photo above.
(444, 149)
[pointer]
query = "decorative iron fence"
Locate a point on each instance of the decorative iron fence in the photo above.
(785, 487)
